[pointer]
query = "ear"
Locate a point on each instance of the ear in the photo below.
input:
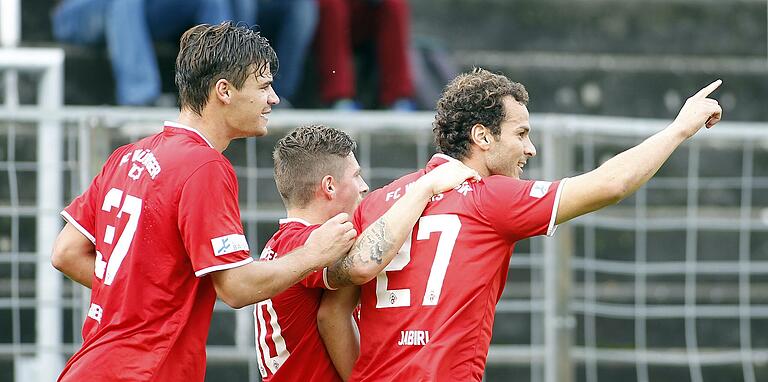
(328, 187)
(223, 91)
(481, 136)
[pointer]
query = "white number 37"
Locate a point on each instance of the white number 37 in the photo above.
(107, 270)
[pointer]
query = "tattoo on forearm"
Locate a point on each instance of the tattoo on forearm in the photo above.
(370, 246)
(375, 241)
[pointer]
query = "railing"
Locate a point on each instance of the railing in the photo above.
(594, 298)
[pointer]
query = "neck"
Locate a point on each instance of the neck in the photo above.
(208, 125)
(477, 163)
(311, 215)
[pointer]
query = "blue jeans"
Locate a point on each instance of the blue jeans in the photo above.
(290, 27)
(129, 28)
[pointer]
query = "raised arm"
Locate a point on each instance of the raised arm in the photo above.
(260, 280)
(74, 255)
(379, 243)
(338, 329)
(623, 174)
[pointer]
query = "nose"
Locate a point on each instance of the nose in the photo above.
(272, 98)
(530, 149)
(363, 187)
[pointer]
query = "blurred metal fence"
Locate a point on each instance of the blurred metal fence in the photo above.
(671, 284)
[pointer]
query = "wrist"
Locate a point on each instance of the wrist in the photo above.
(422, 188)
(677, 131)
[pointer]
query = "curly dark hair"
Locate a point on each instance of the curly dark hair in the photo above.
(304, 156)
(472, 98)
(208, 53)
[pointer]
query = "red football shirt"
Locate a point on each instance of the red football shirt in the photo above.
(162, 214)
(429, 315)
(288, 343)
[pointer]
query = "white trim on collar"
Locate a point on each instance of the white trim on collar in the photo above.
(297, 220)
(185, 127)
(443, 156)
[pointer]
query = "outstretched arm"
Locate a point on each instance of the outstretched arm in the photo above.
(623, 174)
(74, 255)
(379, 243)
(338, 329)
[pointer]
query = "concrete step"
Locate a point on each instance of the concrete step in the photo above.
(628, 85)
(597, 26)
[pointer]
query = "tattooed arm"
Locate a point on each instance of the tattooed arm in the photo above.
(379, 243)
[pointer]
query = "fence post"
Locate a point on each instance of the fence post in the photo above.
(558, 321)
(49, 202)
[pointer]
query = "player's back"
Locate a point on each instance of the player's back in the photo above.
(149, 313)
(288, 343)
(429, 315)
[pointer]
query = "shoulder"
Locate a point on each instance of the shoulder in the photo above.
(287, 238)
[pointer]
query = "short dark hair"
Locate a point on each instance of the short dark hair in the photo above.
(472, 98)
(208, 53)
(304, 156)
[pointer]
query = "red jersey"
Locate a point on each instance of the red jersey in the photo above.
(162, 214)
(429, 315)
(288, 343)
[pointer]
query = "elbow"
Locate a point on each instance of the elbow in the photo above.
(616, 194)
(233, 301)
(614, 190)
(361, 275)
(59, 257)
(231, 297)
(324, 316)
(56, 260)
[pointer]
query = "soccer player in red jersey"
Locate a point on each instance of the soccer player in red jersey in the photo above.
(429, 315)
(318, 177)
(157, 235)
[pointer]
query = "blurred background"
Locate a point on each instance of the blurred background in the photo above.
(669, 285)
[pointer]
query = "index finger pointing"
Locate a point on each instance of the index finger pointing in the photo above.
(703, 93)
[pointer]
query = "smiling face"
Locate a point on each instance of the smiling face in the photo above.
(509, 152)
(251, 105)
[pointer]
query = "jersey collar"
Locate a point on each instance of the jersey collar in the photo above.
(295, 220)
(437, 160)
(177, 125)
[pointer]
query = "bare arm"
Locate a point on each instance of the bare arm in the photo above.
(260, 280)
(623, 174)
(74, 255)
(379, 243)
(338, 329)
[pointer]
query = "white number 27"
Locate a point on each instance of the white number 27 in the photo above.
(448, 226)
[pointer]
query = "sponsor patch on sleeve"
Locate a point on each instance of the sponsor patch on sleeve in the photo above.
(540, 189)
(227, 244)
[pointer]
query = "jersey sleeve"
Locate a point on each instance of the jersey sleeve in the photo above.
(519, 209)
(209, 219)
(81, 213)
(316, 279)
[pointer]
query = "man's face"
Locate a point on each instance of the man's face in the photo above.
(350, 187)
(252, 105)
(511, 150)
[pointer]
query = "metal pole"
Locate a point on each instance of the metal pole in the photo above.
(49, 202)
(558, 323)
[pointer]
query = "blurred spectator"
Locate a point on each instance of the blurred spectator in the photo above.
(347, 24)
(129, 28)
(290, 26)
